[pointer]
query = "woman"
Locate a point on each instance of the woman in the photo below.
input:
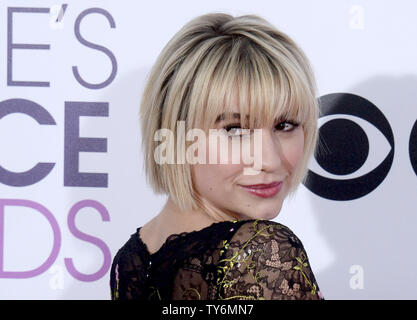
(214, 238)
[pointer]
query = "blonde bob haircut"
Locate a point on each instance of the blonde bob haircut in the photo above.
(210, 58)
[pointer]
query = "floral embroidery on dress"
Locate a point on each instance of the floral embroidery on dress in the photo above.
(116, 289)
(154, 291)
(264, 263)
(275, 260)
(240, 259)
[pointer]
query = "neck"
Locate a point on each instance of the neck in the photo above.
(176, 220)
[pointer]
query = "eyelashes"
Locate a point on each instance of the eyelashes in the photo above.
(284, 126)
(293, 125)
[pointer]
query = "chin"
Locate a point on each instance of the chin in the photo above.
(271, 216)
(266, 216)
(270, 213)
(257, 212)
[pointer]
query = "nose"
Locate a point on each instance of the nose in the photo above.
(271, 151)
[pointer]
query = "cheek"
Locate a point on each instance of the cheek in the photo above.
(202, 177)
(294, 149)
(214, 179)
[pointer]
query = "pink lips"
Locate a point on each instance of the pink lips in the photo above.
(264, 190)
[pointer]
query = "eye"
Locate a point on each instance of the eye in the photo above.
(286, 125)
(234, 129)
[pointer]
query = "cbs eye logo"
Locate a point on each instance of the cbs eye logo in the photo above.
(355, 150)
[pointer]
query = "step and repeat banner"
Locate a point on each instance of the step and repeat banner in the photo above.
(72, 187)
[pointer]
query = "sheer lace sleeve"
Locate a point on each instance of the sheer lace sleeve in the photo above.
(114, 279)
(127, 273)
(265, 260)
(118, 281)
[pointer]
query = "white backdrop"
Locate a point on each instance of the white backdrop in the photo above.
(59, 229)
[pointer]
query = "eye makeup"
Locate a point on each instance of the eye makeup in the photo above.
(282, 125)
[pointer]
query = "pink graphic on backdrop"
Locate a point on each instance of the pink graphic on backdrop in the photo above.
(56, 243)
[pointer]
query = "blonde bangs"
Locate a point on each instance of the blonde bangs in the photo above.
(267, 90)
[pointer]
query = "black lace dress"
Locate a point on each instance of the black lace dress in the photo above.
(240, 259)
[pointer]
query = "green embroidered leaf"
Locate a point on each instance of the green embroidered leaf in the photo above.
(258, 275)
(296, 268)
(299, 259)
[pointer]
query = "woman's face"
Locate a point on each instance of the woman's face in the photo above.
(222, 184)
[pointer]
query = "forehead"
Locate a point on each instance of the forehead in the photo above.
(234, 102)
(233, 109)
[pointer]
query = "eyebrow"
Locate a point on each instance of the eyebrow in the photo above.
(234, 116)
